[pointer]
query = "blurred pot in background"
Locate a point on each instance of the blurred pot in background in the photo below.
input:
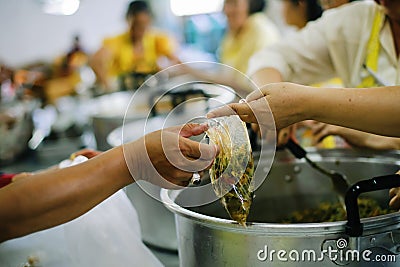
(16, 128)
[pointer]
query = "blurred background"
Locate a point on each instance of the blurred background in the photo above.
(49, 90)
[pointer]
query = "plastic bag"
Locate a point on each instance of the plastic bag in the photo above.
(232, 171)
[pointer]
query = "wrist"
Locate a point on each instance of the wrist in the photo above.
(303, 103)
(131, 156)
(114, 165)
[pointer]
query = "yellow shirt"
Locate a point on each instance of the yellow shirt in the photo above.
(257, 33)
(124, 60)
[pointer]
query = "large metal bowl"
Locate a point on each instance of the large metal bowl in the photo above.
(207, 237)
(14, 139)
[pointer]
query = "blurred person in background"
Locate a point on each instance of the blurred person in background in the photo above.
(136, 51)
(357, 42)
(249, 30)
(299, 12)
(322, 133)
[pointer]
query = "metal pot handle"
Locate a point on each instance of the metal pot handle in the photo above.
(354, 227)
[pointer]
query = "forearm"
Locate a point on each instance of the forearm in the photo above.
(56, 196)
(363, 139)
(382, 142)
(374, 110)
(99, 64)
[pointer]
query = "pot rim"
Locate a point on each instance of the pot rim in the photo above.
(374, 224)
(371, 224)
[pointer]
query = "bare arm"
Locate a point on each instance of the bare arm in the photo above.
(53, 197)
(99, 62)
(355, 138)
(56, 196)
(373, 110)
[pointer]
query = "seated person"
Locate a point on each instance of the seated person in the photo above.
(135, 51)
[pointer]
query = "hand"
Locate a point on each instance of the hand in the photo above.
(354, 137)
(21, 176)
(273, 104)
(277, 102)
(167, 157)
(394, 195)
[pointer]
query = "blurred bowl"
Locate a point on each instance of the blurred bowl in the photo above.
(15, 136)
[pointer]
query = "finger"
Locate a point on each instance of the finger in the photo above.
(393, 192)
(183, 183)
(192, 129)
(248, 118)
(394, 202)
(196, 150)
(231, 109)
(283, 137)
(321, 135)
(89, 153)
(255, 95)
(316, 128)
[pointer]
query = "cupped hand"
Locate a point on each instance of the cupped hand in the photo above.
(168, 157)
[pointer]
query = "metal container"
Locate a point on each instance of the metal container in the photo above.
(107, 112)
(207, 237)
(14, 138)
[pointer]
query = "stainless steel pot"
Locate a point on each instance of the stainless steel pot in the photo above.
(207, 237)
(107, 112)
(14, 139)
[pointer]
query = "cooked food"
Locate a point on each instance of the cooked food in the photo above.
(232, 171)
(332, 212)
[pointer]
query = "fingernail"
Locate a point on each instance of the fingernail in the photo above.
(210, 115)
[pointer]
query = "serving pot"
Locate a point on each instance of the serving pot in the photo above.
(207, 237)
(14, 138)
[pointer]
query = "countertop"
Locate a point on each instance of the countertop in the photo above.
(50, 153)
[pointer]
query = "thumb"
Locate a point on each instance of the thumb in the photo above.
(198, 150)
(255, 95)
(226, 110)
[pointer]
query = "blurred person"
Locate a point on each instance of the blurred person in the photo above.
(136, 51)
(348, 42)
(249, 30)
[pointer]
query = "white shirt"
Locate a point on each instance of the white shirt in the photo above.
(333, 46)
(257, 33)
